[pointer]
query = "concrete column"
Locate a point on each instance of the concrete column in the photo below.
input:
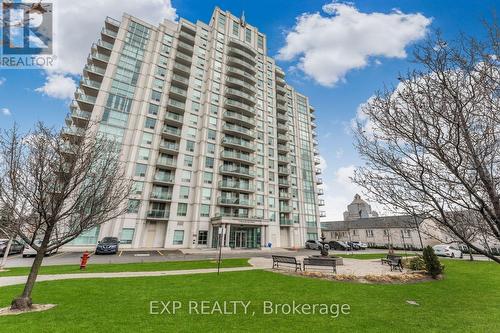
(228, 234)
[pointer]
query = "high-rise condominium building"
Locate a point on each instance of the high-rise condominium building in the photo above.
(212, 136)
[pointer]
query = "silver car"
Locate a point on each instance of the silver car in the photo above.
(445, 250)
(315, 245)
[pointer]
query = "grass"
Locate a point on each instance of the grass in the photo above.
(368, 256)
(131, 267)
(467, 300)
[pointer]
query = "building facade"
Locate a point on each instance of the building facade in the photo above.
(212, 136)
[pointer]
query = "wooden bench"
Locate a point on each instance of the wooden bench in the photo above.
(321, 262)
(395, 262)
(286, 260)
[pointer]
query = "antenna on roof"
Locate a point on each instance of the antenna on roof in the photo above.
(242, 19)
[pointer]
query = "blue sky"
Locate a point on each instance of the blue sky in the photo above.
(28, 97)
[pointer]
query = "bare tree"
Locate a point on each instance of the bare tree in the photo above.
(53, 189)
(431, 145)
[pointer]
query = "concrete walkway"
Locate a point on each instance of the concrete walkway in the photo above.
(13, 280)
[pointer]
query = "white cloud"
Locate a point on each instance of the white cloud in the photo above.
(77, 24)
(5, 112)
(2, 80)
(328, 46)
(58, 86)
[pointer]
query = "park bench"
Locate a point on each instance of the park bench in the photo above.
(321, 262)
(395, 262)
(286, 260)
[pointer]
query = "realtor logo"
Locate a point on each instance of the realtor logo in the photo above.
(27, 30)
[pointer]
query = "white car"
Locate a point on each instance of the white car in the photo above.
(30, 252)
(444, 250)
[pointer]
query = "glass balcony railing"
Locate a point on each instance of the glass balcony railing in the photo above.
(238, 116)
(238, 156)
(286, 222)
(238, 142)
(236, 185)
(235, 201)
(170, 162)
(171, 131)
(237, 170)
(161, 195)
(158, 214)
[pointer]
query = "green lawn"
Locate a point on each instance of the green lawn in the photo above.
(368, 256)
(133, 267)
(467, 300)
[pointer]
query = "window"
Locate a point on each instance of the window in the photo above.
(206, 194)
(143, 154)
(188, 160)
(178, 237)
(186, 176)
(210, 148)
(205, 210)
(355, 232)
(137, 187)
(190, 145)
(211, 134)
(386, 232)
(406, 233)
(153, 109)
(182, 209)
(156, 96)
(184, 192)
(140, 170)
(212, 121)
(133, 206)
(202, 237)
(150, 123)
(127, 236)
(191, 132)
(208, 177)
(209, 162)
(369, 233)
(260, 42)
(248, 35)
(236, 28)
(147, 139)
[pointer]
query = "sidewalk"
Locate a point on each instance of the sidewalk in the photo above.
(13, 280)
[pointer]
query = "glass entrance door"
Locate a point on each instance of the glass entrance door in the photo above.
(240, 238)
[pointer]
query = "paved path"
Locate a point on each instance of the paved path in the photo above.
(13, 280)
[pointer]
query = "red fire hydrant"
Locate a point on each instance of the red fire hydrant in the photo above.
(85, 259)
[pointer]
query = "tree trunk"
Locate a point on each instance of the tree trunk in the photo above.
(24, 302)
(6, 253)
(471, 258)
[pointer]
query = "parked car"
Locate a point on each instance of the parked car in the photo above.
(30, 252)
(358, 245)
(339, 245)
(315, 245)
(445, 250)
(16, 247)
(108, 245)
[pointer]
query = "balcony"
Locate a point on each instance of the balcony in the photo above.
(322, 214)
(282, 118)
(279, 73)
(238, 186)
(177, 93)
(315, 152)
(313, 124)
(280, 90)
(283, 183)
(283, 148)
(96, 56)
(89, 84)
(236, 170)
(166, 162)
(162, 180)
(73, 132)
(81, 97)
(317, 171)
(182, 69)
(237, 94)
(160, 196)
(238, 144)
(173, 118)
(283, 171)
(235, 202)
(185, 47)
(320, 191)
(281, 100)
(239, 130)
(108, 33)
(180, 81)
(281, 108)
(280, 81)
(169, 148)
(283, 159)
(186, 37)
(236, 52)
(321, 202)
(317, 161)
(286, 209)
(236, 156)
(238, 106)
(158, 214)
(242, 46)
(285, 196)
(286, 222)
(244, 65)
(239, 118)
(175, 105)
(171, 132)
(79, 117)
(319, 181)
(240, 84)
(112, 23)
(241, 74)
(282, 128)
(282, 138)
(103, 46)
(183, 58)
(92, 69)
